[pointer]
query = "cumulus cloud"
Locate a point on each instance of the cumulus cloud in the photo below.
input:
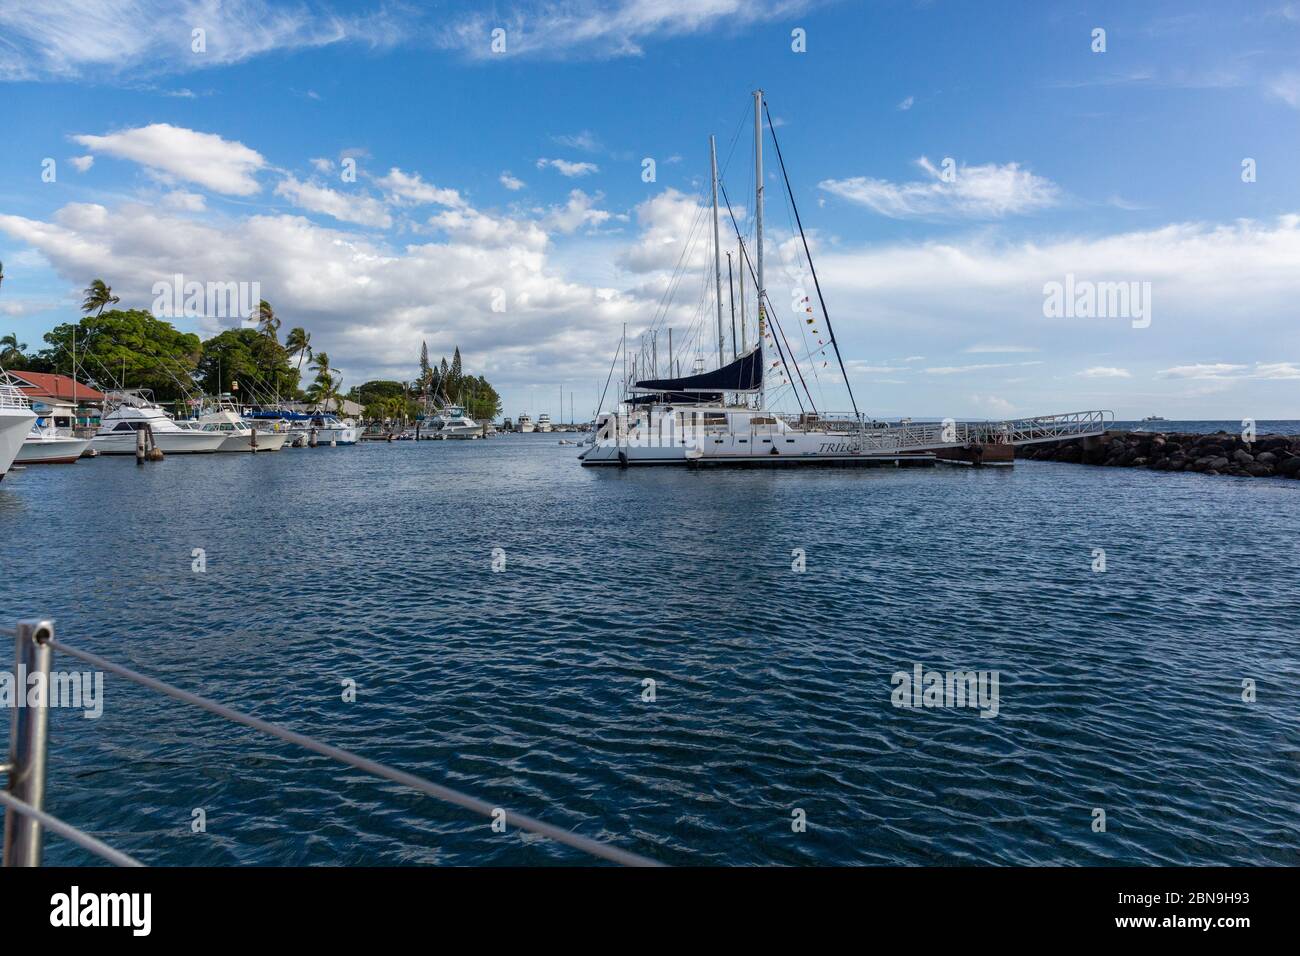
(578, 212)
(411, 190)
(368, 303)
(345, 207)
(1104, 371)
(975, 192)
(177, 153)
(512, 183)
(82, 163)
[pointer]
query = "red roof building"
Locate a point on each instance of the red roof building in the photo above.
(55, 389)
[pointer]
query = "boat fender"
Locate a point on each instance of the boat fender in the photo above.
(622, 459)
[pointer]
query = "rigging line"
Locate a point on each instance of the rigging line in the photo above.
(825, 314)
(679, 268)
(609, 378)
(745, 252)
(798, 371)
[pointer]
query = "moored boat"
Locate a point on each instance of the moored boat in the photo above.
(16, 420)
(44, 445)
(134, 411)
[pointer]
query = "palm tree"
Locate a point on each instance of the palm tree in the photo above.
(267, 323)
(298, 343)
(98, 296)
(11, 350)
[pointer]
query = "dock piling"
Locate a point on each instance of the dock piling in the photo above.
(28, 734)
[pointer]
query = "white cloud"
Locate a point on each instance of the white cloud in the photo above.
(586, 141)
(368, 303)
(666, 221)
(1000, 349)
(222, 165)
(1219, 371)
(566, 168)
(82, 163)
(68, 39)
(511, 182)
(907, 103)
(958, 369)
(1104, 371)
(411, 190)
(605, 28)
(346, 207)
(578, 212)
(978, 192)
(189, 202)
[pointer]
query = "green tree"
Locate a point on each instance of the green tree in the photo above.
(324, 389)
(259, 364)
(126, 348)
(98, 296)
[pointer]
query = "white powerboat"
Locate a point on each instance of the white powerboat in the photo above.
(239, 435)
(135, 410)
(44, 445)
(328, 429)
(543, 422)
(452, 422)
(524, 424)
(16, 420)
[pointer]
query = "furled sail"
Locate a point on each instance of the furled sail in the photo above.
(745, 374)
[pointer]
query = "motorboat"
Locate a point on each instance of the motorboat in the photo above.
(452, 422)
(46, 445)
(524, 423)
(16, 420)
(543, 422)
(328, 429)
(135, 410)
(240, 436)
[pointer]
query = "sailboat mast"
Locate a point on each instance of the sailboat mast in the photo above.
(717, 248)
(731, 295)
(758, 225)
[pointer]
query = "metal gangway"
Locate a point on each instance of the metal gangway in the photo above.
(23, 796)
(919, 437)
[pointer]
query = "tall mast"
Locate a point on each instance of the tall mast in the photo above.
(744, 267)
(731, 295)
(717, 249)
(758, 224)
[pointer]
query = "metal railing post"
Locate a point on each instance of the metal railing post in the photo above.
(28, 730)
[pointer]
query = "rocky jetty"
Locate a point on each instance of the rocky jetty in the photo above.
(1222, 453)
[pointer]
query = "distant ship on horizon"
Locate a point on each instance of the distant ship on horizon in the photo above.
(1155, 418)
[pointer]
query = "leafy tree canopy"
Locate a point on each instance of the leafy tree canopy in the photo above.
(124, 347)
(253, 359)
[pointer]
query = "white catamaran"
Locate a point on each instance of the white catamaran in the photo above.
(727, 415)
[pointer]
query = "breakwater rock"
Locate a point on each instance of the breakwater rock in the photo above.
(1222, 453)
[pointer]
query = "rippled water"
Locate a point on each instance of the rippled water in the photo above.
(1118, 690)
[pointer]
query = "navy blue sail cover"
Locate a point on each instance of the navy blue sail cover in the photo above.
(745, 374)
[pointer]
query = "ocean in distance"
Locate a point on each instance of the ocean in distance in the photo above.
(1119, 690)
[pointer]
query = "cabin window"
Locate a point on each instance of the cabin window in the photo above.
(762, 420)
(124, 427)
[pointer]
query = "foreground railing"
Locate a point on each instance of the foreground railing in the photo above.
(24, 794)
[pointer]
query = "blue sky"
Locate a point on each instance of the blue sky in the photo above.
(522, 172)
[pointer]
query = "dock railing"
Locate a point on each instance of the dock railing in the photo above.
(23, 797)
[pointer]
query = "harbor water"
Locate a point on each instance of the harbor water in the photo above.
(771, 610)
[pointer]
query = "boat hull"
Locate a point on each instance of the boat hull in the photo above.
(171, 443)
(51, 451)
(266, 441)
(15, 424)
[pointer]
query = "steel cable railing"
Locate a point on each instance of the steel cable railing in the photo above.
(28, 745)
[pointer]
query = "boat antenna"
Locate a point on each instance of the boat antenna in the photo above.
(817, 285)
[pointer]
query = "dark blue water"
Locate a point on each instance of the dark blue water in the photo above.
(1118, 690)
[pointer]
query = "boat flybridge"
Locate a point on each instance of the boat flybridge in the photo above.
(543, 422)
(755, 406)
(134, 410)
(16, 420)
(524, 423)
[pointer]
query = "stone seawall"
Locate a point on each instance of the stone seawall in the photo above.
(1222, 453)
